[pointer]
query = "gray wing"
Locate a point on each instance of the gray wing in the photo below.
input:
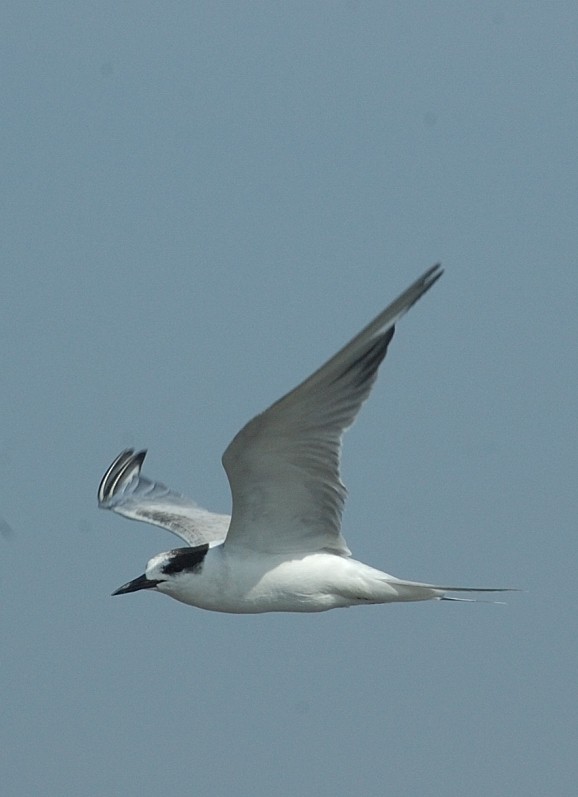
(124, 490)
(283, 466)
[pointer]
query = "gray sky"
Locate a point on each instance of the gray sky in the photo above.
(201, 202)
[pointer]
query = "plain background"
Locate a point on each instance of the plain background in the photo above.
(201, 201)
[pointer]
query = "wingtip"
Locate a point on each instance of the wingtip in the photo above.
(117, 471)
(416, 290)
(432, 275)
(140, 456)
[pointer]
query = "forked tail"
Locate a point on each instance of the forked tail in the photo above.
(473, 589)
(417, 590)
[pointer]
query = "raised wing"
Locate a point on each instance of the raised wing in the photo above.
(125, 491)
(283, 466)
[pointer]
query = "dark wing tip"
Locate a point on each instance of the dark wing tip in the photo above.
(124, 464)
(434, 274)
(425, 282)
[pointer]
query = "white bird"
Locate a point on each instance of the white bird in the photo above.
(282, 549)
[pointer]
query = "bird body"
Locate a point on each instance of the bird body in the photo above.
(313, 582)
(282, 549)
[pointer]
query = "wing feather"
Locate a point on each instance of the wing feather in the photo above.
(283, 466)
(124, 490)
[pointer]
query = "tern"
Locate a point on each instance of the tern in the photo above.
(281, 549)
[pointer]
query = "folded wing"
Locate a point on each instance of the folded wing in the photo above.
(283, 466)
(124, 490)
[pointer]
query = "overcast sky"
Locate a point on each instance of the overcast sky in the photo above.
(201, 201)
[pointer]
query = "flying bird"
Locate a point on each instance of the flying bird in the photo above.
(281, 549)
